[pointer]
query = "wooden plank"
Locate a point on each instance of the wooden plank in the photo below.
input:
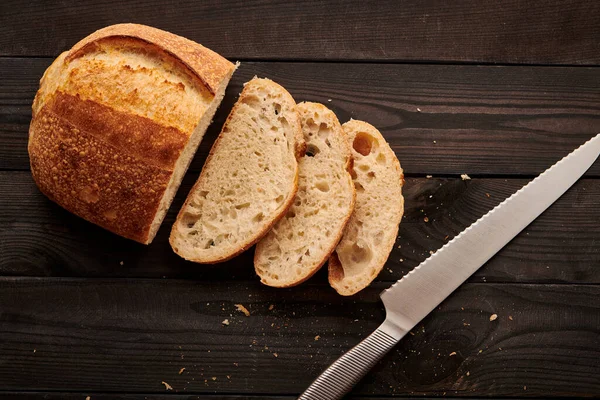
(131, 335)
(541, 32)
(38, 238)
(187, 396)
(475, 120)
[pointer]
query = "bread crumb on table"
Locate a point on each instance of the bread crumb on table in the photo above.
(181, 371)
(452, 354)
(88, 398)
(493, 317)
(510, 317)
(465, 177)
(225, 322)
(426, 219)
(167, 386)
(429, 176)
(276, 355)
(242, 309)
(418, 109)
(271, 307)
(317, 337)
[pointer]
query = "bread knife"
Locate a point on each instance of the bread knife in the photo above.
(414, 296)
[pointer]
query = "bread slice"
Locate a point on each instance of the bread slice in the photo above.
(302, 241)
(371, 232)
(249, 180)
(117, 120)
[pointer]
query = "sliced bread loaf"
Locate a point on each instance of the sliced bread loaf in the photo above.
(249, 179)
(371, 232)
(302, 241)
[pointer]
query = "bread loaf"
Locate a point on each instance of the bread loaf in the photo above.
(302, 241)
(249, 179)
(371, 232)
(117, 120)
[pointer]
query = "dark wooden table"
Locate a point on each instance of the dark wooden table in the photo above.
(497, 90)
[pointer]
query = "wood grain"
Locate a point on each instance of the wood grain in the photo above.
(472, 119)
(129, 336)
(541, 32)
(210, 396)
(38, 238)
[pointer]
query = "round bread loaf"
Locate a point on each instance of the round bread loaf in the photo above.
(117, 120)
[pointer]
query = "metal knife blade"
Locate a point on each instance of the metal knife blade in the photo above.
(414, 296)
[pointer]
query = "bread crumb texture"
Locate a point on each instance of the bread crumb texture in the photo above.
(371, 232)
(249, 179)
(302, 241)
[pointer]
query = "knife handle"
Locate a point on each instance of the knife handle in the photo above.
(346, 371)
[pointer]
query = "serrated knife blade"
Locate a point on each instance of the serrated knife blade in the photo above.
(414, 296)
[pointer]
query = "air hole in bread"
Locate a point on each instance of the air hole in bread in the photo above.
(322, 186)
(258, 153)
(353, 174)
(371, 174)
(279, 198)
(203, 193)
(229, 192)
(301, 233)
(381, 158)
(363, 143)
(312, 150)
(189, 220)
(324, 130)
(277, 108)
(221, 237)
(307, 252)
(209, 243)
(251, 101)
(363, 167)
(258, 217)
(328, 143)
(359, 187)
(327, 233)
(290, 214)
(243, 205)
(360, 255)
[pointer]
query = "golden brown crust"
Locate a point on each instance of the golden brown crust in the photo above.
(112, 118)
(75, 167)
(142, 138)
(209, 67)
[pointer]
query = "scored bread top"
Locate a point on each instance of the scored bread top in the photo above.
(206, 65)
(112, 117)
(302, 241)
(249, 179)
(371, 232)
